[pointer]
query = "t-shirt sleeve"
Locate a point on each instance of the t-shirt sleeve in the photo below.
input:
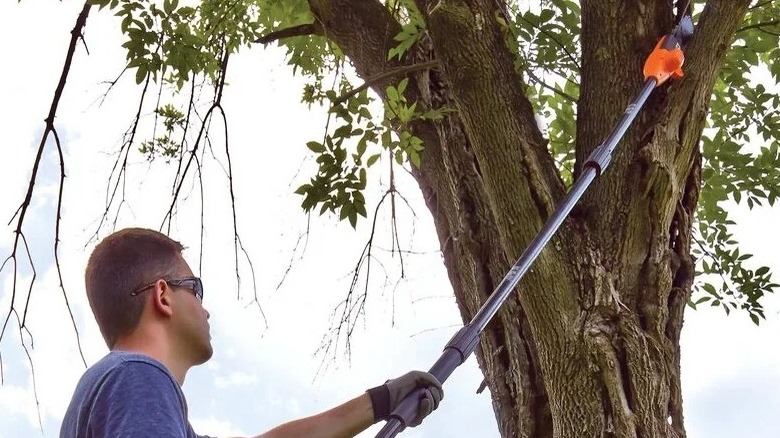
(138, 399)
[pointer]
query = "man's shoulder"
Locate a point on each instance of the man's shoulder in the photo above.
(117, 358)
(127, 394)
(127, 378)
(119, 367)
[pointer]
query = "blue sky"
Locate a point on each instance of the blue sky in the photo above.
(262, 375)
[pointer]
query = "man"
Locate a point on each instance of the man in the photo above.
(148, 306)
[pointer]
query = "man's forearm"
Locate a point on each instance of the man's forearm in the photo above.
(343, 421)
(356, 415)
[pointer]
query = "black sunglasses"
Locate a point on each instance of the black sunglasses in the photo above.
(192, 283)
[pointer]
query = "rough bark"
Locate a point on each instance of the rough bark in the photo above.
(589, 344)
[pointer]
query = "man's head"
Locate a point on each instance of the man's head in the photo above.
(138, 274)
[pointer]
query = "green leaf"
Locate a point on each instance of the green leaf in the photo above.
(140, 74)
(363, 178)
(364, 113)
(361, 147)
(302, 189)
(392, 93)
(546, 15)
(414, 156)
(386, 139)
(353, 218)
(360, 208)
(343, 131)
(402, 85)
(372, 159)
(346, 210)
(315, 147)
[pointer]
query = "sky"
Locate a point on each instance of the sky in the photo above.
(267, 371)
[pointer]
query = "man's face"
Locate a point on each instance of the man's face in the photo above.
(191, 321)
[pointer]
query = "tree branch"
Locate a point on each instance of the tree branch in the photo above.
(76, 35)
(757, 26)
(759, 5)
(365, 37)
(383, 76)
(561, 93)
(300, 30)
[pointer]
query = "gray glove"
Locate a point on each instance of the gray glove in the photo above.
(387, 397)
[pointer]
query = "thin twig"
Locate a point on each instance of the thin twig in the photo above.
(561, 93)
(303, 237)
(757, 26)
(120, 165)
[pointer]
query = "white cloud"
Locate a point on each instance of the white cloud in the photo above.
(217, 427)
(17, 400)
(235, 378)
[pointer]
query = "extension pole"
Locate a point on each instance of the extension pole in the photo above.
(665, 62)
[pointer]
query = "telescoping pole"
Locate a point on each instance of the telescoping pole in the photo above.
(663, 63)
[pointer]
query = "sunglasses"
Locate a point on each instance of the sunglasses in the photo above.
(194, 284)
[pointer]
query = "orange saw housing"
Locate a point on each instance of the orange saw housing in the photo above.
(664, 63)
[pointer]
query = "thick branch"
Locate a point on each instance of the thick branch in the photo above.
(364, 30)
(713, 36)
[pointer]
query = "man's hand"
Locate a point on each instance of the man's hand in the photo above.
(387, 397)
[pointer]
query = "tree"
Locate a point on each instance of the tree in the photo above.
(589, 345)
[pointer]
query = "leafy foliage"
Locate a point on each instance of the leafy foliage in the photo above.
(410, 33)
(176, 43)
(546, 41)
(740, 162)
(341, 176)
(164, 145)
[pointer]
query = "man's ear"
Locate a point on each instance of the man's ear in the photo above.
(161, 298)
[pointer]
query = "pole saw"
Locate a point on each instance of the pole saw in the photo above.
(663, 63)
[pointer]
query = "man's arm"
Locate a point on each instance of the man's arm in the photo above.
(356, 415)
(343, 421)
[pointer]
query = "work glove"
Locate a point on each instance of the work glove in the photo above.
(387, 397)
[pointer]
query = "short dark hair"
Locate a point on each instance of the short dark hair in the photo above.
(122, 262)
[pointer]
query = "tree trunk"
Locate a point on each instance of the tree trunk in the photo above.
(589, 344)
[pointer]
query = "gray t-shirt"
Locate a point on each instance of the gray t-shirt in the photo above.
(127, 395)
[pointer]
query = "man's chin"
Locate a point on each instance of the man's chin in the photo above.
(208, 351)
